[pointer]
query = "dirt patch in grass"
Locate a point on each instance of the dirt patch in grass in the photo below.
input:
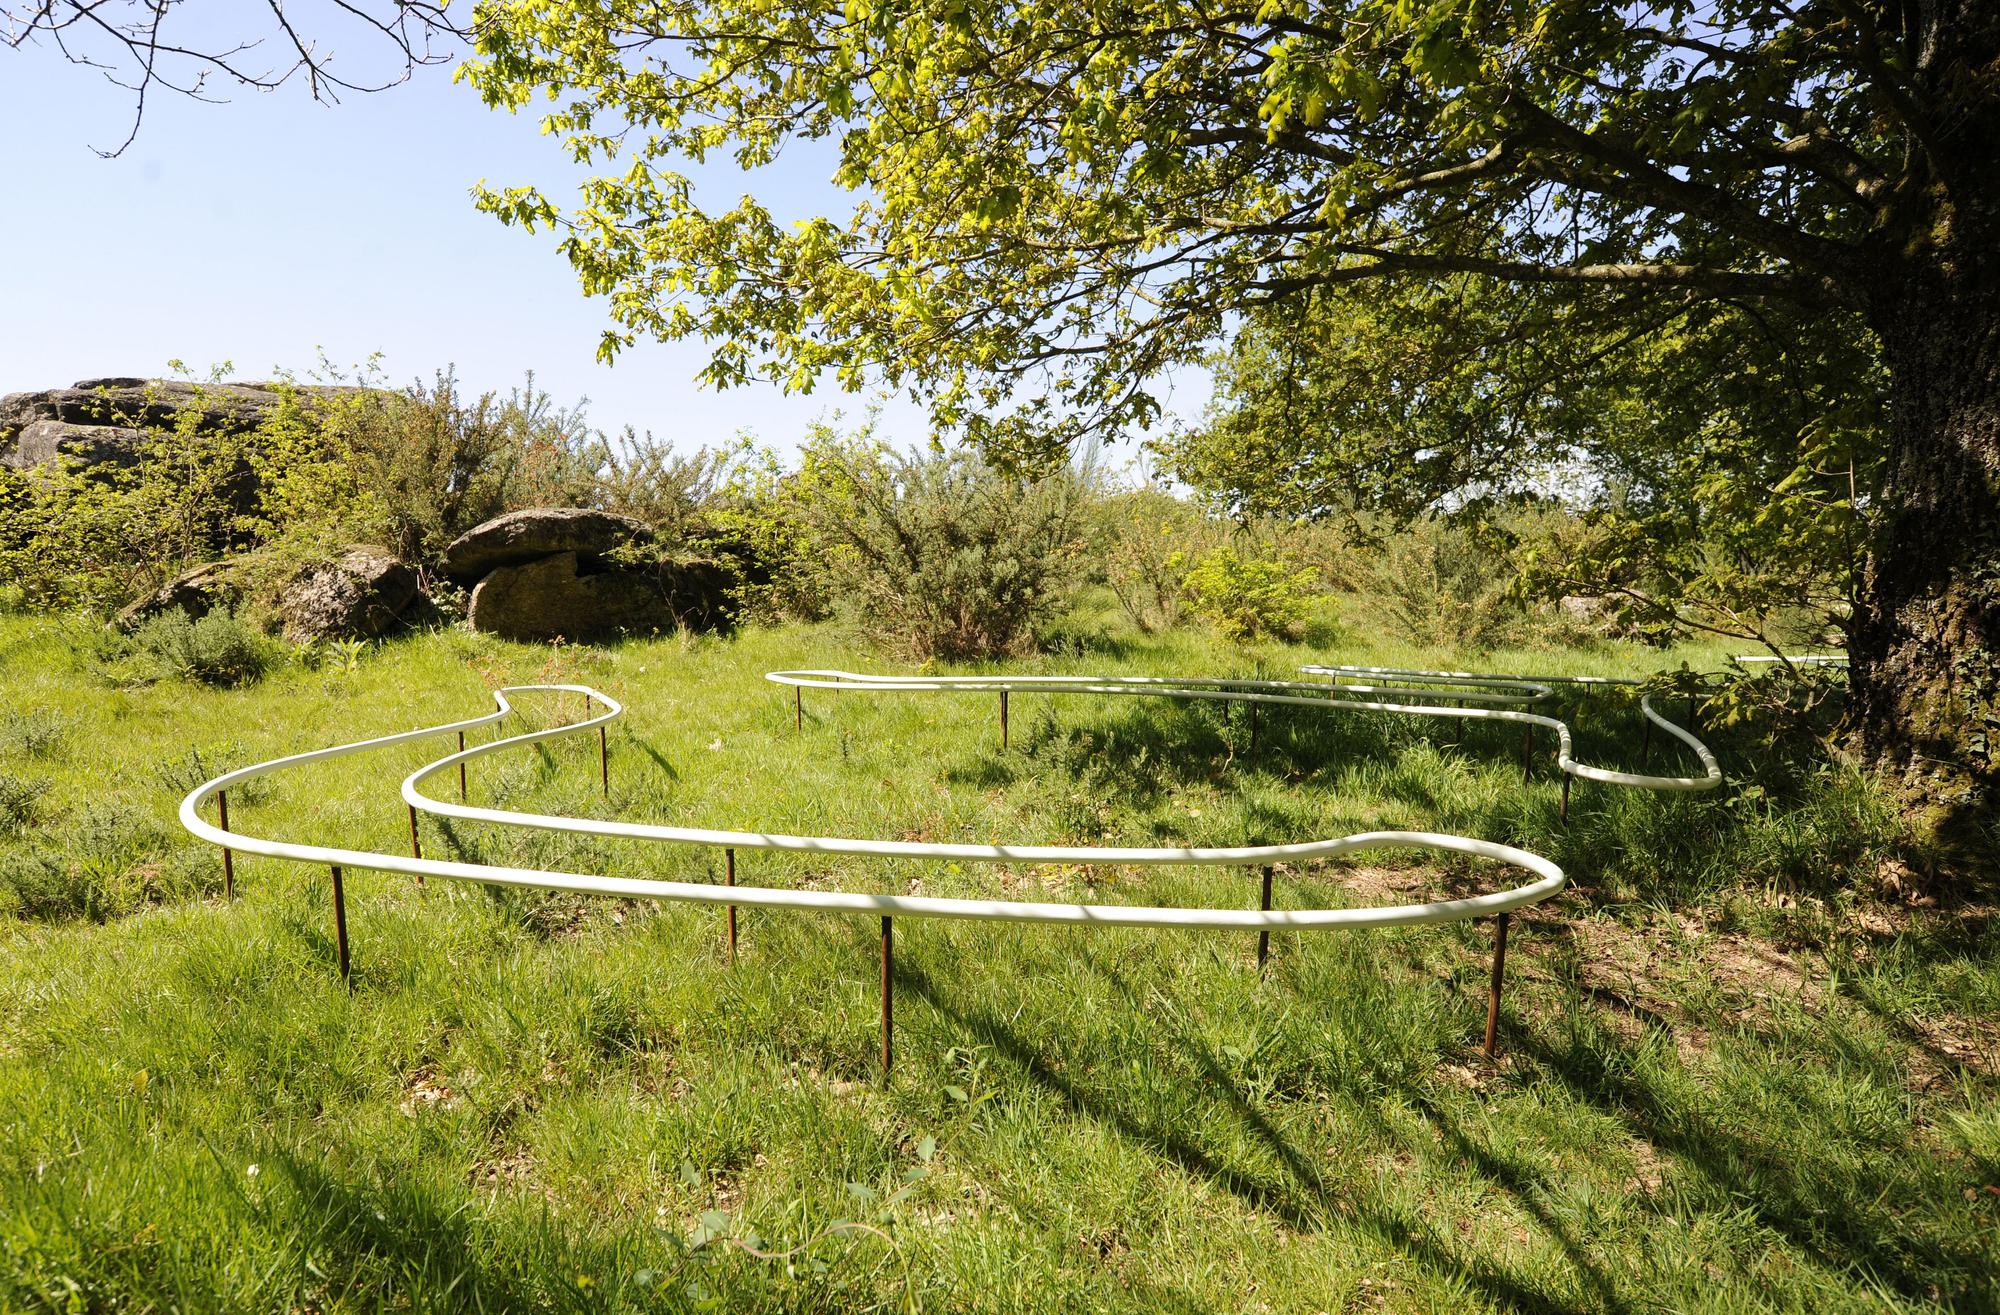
(1647, 976)
(509, 1169)
(1375, 885)
(425, 1089)
(1946, 1043)
(1649, 1168)
(1369, 884)
(1677, 973)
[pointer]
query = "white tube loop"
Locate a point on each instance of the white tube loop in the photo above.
(1548, 877)
(1474, 688)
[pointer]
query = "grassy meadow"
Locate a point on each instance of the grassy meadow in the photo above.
(1746, 1064)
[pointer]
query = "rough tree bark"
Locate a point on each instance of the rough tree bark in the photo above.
(1926, 645)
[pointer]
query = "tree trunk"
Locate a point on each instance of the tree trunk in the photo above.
(1926, 642)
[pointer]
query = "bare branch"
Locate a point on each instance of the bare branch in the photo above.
(130, 43)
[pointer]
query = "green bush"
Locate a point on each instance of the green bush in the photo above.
(112, 860)
(1250, 597)
(18, 797)
(217, 649)
(410, 471)
(36, 732)
(413, 472)
(1149, 537)
(945, 556)
(94, 539)
(764, 507)
(1447, 585)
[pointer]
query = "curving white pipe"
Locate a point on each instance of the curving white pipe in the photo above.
(1549, 878)
(1478, 689)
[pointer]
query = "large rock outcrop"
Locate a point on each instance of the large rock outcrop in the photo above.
(360, 594)
(45, 442)
(561, 597)
(197, 592)
(122, 406)
(521, 537)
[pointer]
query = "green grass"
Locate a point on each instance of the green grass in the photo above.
(1736, 1074)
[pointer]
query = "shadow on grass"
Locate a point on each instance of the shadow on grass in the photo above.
(1866, 1219)
(659, 759)
(1299, 1193)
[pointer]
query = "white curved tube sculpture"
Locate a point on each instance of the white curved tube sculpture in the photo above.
(1498, 698)
(1547, 877)
(1465, 687)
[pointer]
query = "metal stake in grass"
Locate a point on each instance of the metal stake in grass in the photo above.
(603, 753)
(416, 847)
(228, 859)
(1562, 809)
(340, 929)
(798, 708)
(1493, 990)
(1264, 936)
(1003, 719)
(888, 1000)
(1527, 752)
(461, 768)
(729, 879)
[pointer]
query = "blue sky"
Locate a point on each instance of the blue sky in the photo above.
(269, 229)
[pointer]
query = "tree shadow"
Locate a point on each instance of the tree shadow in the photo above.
(1846, 1212)
(1842, 1211)
(659, 759)
(1298, 1192)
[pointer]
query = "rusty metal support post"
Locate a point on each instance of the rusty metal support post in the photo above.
(1562, 809)
(416, 846)
(888, 999)
(340, 930)
(1645, 739)
(228, 859)
(461, 768)
(1527, 753)
(1003, 719)
(603, 751)
(1493, 990)
(798, 708)
(729, 879)
(1264, 935)
(1253, 728)
(1691, 720)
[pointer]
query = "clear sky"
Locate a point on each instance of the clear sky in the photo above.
(265, 230)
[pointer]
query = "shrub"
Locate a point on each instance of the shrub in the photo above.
(1447, 585)
(37, 732)
(945, 556)
(217, 649)
(18, 797)
(765, 509)
(70, 537)
(408, 471)
(431, 464)
(1150, 536)
(413, 472)
(113, 859)
(1250, 597)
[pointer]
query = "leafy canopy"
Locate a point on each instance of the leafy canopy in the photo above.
(1053, 201)
(1728, 455)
